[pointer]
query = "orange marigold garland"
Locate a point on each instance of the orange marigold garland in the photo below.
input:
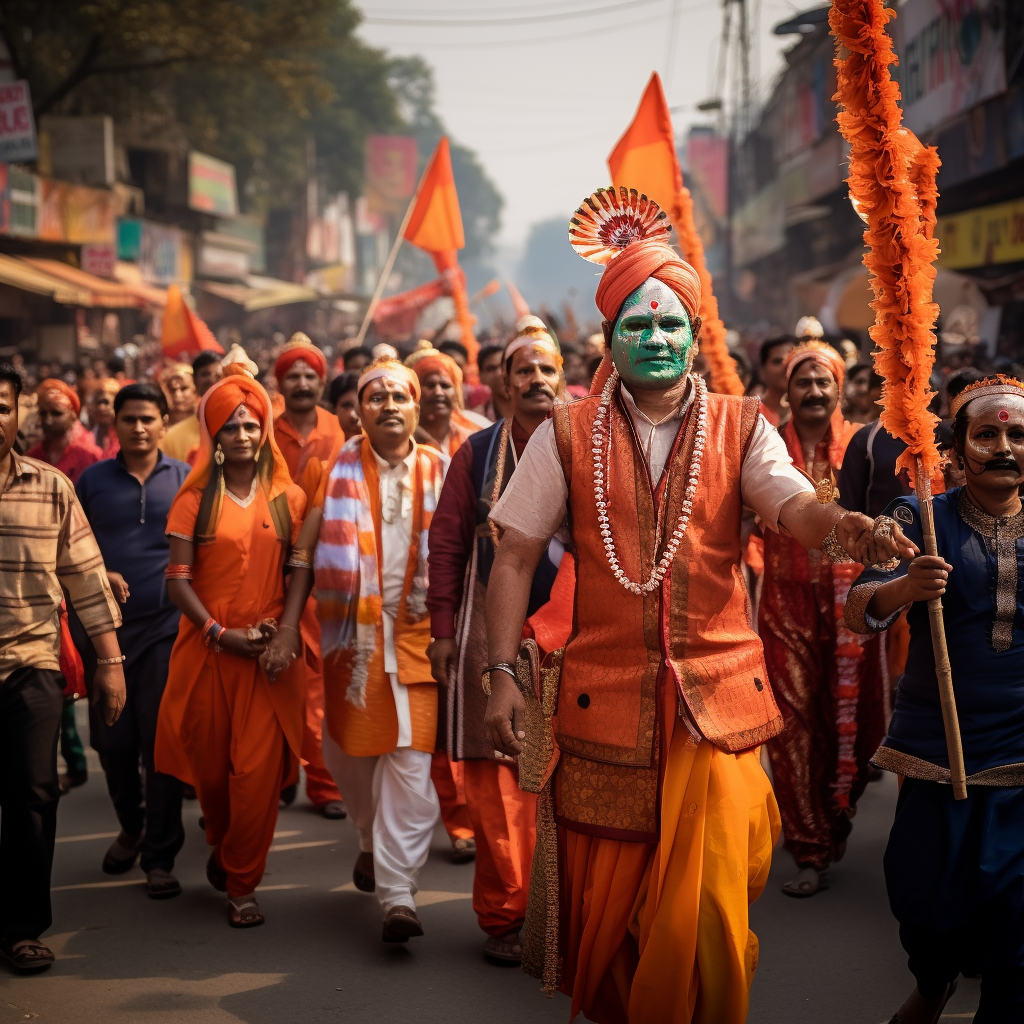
(724, 378)
(892, 179)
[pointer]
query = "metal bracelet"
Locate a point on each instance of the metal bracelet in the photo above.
(501, 666)
(120, 660)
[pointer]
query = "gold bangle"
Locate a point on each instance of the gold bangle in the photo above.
(120, 660)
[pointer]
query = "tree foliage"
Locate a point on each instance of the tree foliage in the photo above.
(263, 84)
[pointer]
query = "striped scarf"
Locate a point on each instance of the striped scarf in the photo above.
(347, 562)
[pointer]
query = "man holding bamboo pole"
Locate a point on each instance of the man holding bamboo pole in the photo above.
(955, 868)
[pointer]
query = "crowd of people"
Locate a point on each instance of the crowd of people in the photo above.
(612, 628)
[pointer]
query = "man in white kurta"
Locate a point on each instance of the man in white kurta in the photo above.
(381, 703)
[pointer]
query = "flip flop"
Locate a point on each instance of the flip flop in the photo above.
(26, 956)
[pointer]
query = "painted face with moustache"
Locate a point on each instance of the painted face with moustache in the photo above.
(990, 444)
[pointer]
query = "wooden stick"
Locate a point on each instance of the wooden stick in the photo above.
(943, 672)
(386, 272)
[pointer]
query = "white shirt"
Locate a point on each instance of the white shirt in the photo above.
(534, 502)
(396, 493)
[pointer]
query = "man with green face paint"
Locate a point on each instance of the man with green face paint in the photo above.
(664, 819)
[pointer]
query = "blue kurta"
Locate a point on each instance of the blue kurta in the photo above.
(954, 870)
(988, 683)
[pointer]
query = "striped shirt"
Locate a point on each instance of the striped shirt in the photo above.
(46, 545)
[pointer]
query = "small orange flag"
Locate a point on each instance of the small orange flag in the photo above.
(183, 332)
(645, 157)
(436, 223)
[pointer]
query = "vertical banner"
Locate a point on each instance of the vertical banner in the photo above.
(390, 176)
(17, 124)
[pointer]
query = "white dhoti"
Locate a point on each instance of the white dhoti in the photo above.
(393, 804)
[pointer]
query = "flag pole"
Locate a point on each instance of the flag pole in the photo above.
(388, 265)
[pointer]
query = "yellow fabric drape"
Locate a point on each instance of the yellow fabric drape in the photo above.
(659, 934)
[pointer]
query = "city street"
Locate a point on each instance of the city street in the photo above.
(124, 959)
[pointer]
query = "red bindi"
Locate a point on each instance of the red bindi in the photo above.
(1004, 415)
(654, 303)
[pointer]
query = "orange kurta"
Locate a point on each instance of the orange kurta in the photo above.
(323, 444)
(373, 730)
(224, 727)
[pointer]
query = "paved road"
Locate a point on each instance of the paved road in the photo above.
(125, 959)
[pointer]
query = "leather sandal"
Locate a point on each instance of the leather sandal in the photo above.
(463, 851)
(26, 956)
(363, 877)
(162, 885)
(401, 924)
(246, 914)
(121, 854)
(504, 950)
(216, 875)
(334, 810)
(808, 882)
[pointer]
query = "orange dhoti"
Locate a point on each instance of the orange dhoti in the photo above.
(504, 820)
(320, 787)
(658, 933)
(449, 781)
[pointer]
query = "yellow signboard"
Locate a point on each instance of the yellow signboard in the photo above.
(979, 238)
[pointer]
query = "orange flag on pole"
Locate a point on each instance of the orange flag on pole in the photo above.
(182, 331)
(435, 225)
(436, 222)
(645, 159)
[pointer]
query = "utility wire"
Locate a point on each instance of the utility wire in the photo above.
(521, 19)
(420, 45)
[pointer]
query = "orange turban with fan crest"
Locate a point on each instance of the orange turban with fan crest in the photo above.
(638, 261)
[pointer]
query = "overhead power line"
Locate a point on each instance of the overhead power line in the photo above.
(519, 19)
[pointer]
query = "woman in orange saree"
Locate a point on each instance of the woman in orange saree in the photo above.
(231, 717)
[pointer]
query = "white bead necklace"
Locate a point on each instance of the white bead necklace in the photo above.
(601, 445)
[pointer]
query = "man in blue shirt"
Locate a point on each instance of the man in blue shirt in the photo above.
(127, 499)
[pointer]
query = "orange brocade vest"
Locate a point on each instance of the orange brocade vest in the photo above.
(696, 625)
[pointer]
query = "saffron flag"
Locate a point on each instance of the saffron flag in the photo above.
(436, 222)
(183, 333)
(645, 157)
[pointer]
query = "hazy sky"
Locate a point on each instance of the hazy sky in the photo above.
(542, 91)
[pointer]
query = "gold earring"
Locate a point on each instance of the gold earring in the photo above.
(218, 456)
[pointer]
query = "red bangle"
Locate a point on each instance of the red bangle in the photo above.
(178, 572)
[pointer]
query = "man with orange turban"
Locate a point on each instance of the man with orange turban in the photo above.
(658, 819)
(445, 425)
(826, 679)
(309, 438)
(66, 443)
(502, 816)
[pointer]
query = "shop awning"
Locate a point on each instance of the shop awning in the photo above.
(97, 291)
(19, 274)
(260, 292)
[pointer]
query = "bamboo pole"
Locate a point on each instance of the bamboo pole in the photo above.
(943, 672)
(388, 266)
